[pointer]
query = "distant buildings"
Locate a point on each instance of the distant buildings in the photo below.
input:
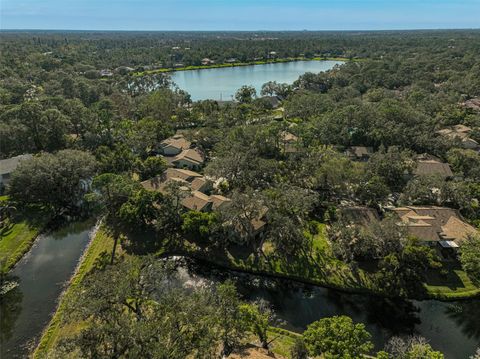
(472, 104)
(178, 153)
(106, 73)
(431, 167)
(359, 153)
(206, 61)
(460, 133)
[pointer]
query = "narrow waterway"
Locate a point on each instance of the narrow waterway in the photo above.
(41, 275)
(451, 327)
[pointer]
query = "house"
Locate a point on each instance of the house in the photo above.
(7, 166)
(289, 142)
(191, 180)
(197, 201)
(430, 167)
(273, 101)
(174, 145)
(194, 184)
(433, 224)
(472, 104)
(218, 201)
(460, 133)
(206, 61)
(359, 215)
(106, 73)
(359, 153)
(191, 159)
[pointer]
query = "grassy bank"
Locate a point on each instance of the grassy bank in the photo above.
(15, 241)
(18, 236)
(238, 64)
(321, 268)
(57, 326)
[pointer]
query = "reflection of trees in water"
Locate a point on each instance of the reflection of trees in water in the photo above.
(467, 317)
(397, 316)
(10, 308)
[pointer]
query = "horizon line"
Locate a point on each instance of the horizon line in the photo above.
(257, 30)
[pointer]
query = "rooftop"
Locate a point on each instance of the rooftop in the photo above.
(8, 165)
(433, 167)
(432, 223)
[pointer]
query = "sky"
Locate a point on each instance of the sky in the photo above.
(239, 14)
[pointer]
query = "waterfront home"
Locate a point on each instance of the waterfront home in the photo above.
(206, 61)
(433, 224)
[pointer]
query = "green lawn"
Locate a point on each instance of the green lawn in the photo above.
(454, 284)
(321, 268)
(57, 327)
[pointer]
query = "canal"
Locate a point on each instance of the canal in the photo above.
(451, 327)
(35, 285)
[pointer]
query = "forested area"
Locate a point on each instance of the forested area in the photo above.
(94, 122)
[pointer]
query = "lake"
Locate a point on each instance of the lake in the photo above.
(41, 275)
(222, 83)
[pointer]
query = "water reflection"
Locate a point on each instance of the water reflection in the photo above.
(40, 274)
(453, 328)
(466, 315)
(10, 306)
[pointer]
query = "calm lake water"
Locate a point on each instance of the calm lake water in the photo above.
(222, 83)
(453, 328)
(41, 276)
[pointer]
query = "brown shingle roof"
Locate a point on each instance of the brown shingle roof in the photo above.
(178, 141)
(191, 155)
(432, 167)
(359, 151)
(218, 200)
(197, 201)
(186, 175)
(360, 215)
(432, 223)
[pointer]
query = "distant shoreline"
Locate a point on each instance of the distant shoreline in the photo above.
(238, 64)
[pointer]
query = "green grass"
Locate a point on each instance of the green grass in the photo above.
(283, 340)
(58, 327)
(321, 268)
(15, 241)
(455, 284)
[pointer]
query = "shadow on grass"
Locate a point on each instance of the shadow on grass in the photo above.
(449, 279)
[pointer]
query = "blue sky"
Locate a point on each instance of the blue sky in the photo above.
(239, 15)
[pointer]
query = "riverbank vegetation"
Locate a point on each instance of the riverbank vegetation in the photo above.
(326, 180)
(225, 325)
(18, 230)
(237, 64)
